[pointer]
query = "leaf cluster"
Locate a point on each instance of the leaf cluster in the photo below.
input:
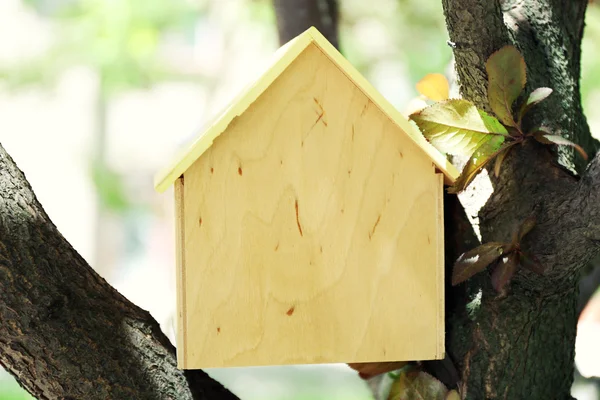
(413, 384)
(505, 257)
(410, 382)
(458, 127)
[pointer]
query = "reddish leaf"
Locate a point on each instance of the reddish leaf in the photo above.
(526, 227)
(501, 156)
(504, 271)
(475, 261)
(507, 76)
(417, 385)
(543, 136)
(530, 262)
(534, 98)
(514, 242)
(480, 158)
(368, 370)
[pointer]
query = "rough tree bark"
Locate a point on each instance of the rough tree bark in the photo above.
(522, 345)
(65, 333)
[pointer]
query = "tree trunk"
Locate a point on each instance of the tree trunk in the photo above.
(296, 16)
(521, 344)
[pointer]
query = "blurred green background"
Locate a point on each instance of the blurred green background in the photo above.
(96, 95)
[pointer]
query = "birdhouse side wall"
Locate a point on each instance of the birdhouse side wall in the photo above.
(310, 231)
(180, 271)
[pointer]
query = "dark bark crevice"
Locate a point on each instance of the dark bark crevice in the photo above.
(64, 331)
(589, 284)
(512, 347)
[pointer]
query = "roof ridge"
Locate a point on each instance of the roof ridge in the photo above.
(284, 56)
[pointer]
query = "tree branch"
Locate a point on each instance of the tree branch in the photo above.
(295, 16)
(66, 333)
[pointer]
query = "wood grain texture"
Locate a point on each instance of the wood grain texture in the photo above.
(283, 58)
(440, 263)
(313, 232)
(180, 276)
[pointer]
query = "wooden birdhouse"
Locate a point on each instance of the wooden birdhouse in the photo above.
(309, 224)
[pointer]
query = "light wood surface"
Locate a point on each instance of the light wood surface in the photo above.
(313, 232)
(284, 57)
(180, 273)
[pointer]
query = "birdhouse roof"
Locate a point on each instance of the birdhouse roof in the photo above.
(283, 58)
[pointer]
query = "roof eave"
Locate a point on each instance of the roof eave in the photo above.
(283, 58)
(439, 160)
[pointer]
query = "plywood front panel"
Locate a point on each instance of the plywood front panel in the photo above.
(312, 233)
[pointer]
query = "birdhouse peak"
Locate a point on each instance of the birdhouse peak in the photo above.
(283, 58)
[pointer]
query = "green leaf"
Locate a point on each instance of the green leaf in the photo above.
(504, 271)
(530, 262)
(122, 41)
(507, 76)
(543, 136)
(475, 261)
(110, 188)
(480, 158)
(413, 384)
(453, 395)
(457, 127)
(535, 97)
(501, 156)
